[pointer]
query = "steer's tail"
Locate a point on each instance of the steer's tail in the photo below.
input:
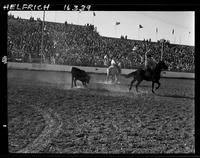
(130, 74)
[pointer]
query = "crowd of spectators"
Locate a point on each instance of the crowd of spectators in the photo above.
(71, 44)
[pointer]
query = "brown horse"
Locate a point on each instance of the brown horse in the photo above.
(139, 75)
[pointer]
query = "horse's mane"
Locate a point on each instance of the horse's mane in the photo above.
(158, 65)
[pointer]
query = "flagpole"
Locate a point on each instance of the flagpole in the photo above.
(42, 51)
(156, 37)
(78, 17)
(174, 39)
(189, 36)
(93, 18)
(140, 27)
(115, 30)
(156, 34)
(161, 52)
(142, 32)
(55, 16)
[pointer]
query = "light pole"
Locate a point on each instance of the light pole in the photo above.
(42, 50)
(162, 48)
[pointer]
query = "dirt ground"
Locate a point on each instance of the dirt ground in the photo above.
(46, 115)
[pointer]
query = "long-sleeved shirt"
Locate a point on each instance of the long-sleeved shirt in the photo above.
(149, 62)
(113, 62)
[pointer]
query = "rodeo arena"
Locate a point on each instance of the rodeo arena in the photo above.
(72, 89)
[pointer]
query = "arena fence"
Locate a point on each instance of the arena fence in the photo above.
(100, 70)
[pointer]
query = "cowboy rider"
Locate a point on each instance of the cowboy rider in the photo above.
(150, 63)
(113, 63)
(106, 61)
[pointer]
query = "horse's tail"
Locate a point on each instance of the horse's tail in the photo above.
(130, 74)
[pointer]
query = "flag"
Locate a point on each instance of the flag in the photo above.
(173, 31)
(156, 30)
(94, 14)
(117, 23)
(140, 26)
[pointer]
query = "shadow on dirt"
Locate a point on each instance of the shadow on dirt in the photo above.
(174, 96)
(98, 89)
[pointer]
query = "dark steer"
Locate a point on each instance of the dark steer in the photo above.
(81, 75)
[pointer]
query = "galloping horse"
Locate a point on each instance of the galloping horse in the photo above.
(140, 75)
(114, 71)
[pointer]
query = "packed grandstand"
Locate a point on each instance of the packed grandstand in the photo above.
(69, 44)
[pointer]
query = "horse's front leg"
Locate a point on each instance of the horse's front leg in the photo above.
(107, 77)
(118, 81)
(75, 82)
(152, 89)
(113, 78)
(136, 86)
(158, 84)
(116, 78)
(132, 84)
(72, 82)
(84, 84)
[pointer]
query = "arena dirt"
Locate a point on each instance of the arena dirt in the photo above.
(104, 118)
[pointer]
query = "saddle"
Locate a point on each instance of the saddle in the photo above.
(148, 74)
